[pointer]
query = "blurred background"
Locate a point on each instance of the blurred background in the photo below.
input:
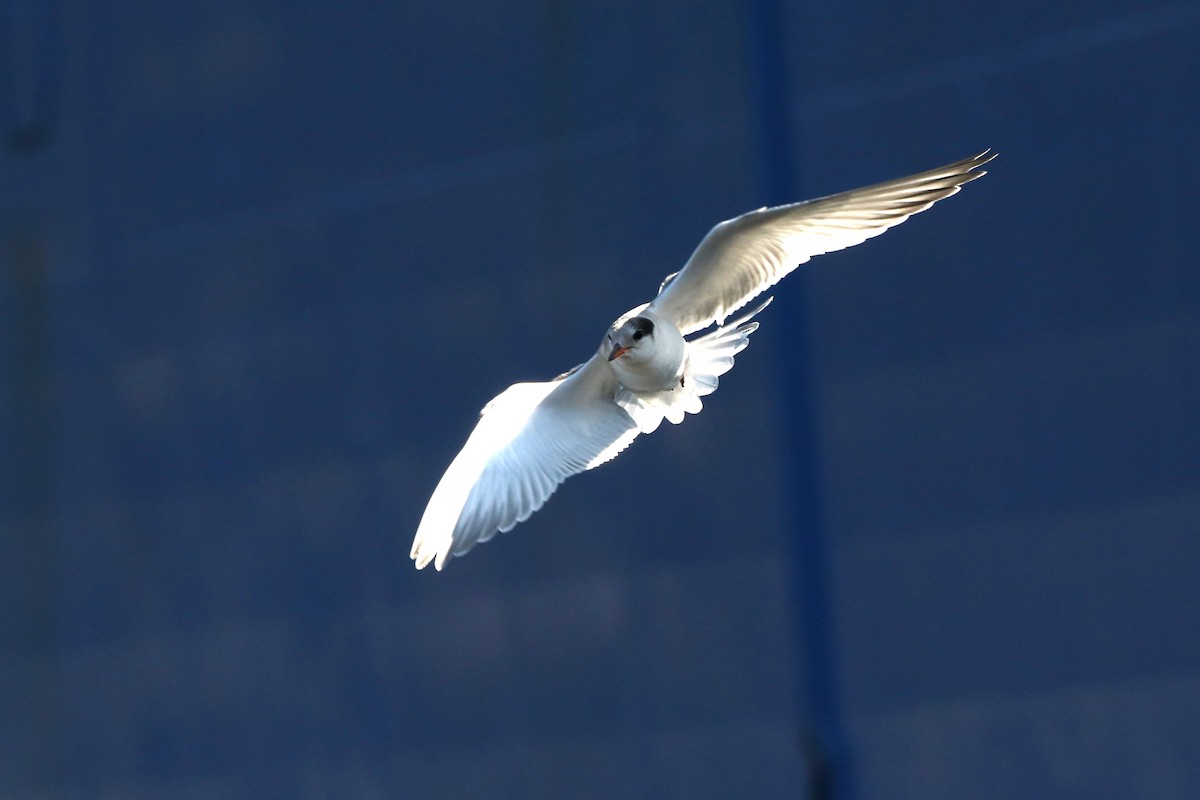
(261, 264)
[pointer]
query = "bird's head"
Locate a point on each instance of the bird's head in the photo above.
(627, 337)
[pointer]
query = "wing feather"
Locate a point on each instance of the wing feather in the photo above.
(531, 438)
(743, 257)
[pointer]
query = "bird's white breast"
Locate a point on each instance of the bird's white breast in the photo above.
(656, 365)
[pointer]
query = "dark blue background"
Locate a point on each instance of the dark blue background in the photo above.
(263, 263)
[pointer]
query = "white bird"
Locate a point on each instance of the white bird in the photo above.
(533, 436)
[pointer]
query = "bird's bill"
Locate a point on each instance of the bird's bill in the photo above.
(617, 352)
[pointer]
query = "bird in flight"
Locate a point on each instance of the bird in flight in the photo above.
(533, 436)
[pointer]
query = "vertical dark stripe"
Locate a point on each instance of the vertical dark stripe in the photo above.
(822, 737)
(29, 574)
(556, 71)
(30, 71)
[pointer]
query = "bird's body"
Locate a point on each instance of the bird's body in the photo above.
(533, 436)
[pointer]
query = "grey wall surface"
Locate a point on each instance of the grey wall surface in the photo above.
(263, 263)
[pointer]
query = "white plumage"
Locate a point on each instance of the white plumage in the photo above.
(533, 436)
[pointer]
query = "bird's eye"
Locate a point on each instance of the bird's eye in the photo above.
(637, 335)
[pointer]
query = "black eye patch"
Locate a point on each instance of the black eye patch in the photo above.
(642, 327)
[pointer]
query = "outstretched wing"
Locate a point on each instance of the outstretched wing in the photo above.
(743, 257)
(529, 439)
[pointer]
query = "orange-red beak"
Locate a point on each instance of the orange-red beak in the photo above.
(617, 352)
